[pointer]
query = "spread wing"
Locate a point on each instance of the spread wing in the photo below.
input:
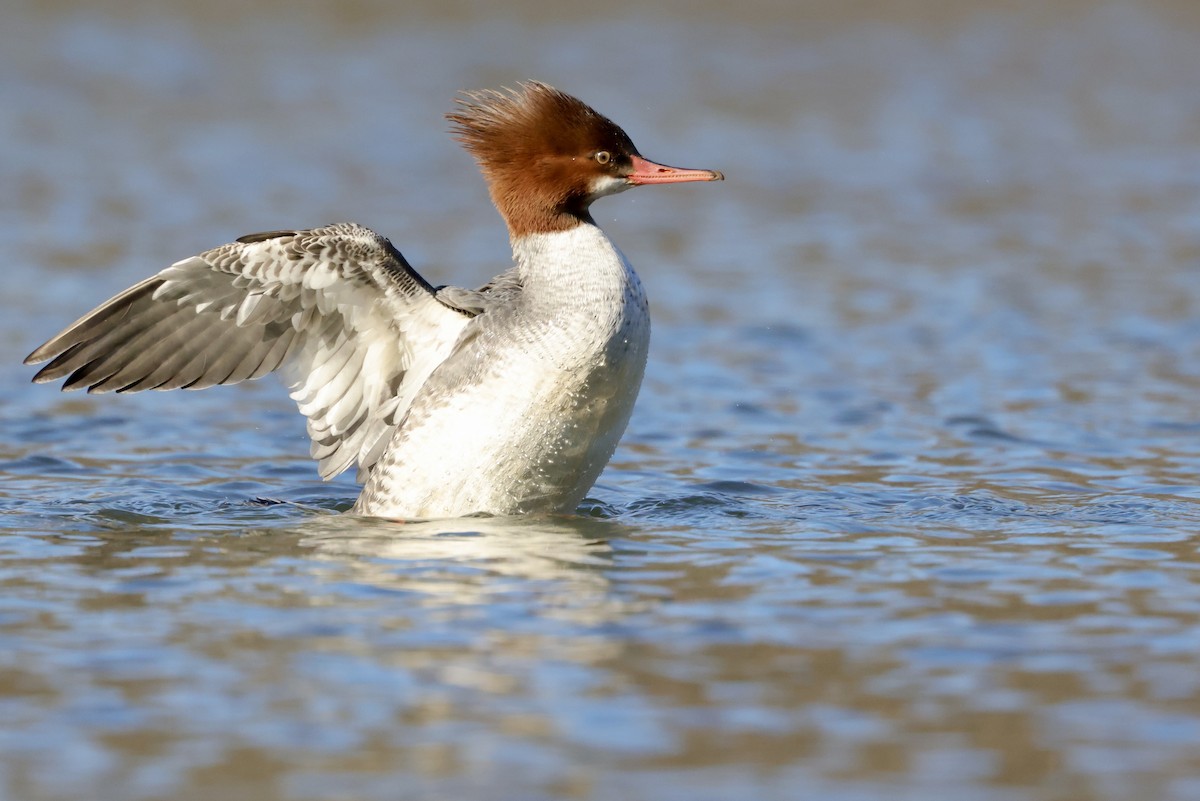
(354, 328)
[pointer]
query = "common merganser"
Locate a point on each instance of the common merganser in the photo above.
(509, 399)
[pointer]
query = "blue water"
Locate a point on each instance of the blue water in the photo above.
(907, 508)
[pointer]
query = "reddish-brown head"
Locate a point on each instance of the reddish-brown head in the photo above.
(547, 155)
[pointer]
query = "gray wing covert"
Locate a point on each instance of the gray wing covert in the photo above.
(498, 292)
(350, 323)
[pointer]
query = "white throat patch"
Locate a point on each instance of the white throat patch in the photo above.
(607, 185)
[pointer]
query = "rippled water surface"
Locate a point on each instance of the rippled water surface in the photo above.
(908, 507)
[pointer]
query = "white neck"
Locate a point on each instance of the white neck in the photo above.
(580, 263)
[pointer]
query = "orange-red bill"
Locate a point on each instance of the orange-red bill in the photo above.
(647, 172)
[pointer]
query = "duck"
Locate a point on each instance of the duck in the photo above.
(508, 399)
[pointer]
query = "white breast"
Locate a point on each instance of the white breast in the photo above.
(525, 415)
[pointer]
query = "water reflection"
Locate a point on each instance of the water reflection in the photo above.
(472, 561)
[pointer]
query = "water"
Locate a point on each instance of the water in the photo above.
(907, 508)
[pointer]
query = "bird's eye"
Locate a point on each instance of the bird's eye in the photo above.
(603, 157)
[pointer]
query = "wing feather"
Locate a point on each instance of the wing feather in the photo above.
(354, 328)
